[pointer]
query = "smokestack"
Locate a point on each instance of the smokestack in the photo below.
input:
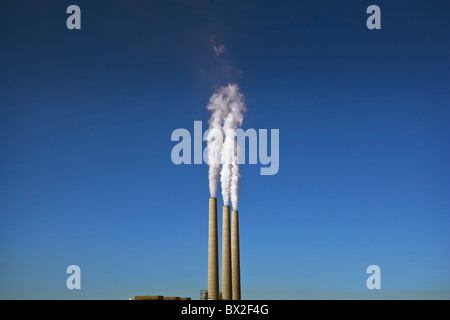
(235, 262)
(226, 254)
(213, 255)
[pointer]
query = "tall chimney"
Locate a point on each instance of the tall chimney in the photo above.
(213, 255)
(235, 263)
(226, 254)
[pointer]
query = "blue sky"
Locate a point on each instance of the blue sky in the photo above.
(86, 176)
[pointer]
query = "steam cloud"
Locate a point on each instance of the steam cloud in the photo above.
(227, 106)
(217, 49)
(234, 188)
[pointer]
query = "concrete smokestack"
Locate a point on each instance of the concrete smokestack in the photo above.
(213, 254)
(226, 254)
(235, 262)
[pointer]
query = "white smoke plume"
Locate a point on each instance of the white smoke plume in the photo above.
(215, 139)
(227, 106)
(218, 49)
(234, 188)
(234, 118)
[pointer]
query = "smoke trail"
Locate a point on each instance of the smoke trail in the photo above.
(229, 175)
(215, 138)
(234, 188)
(227, 106)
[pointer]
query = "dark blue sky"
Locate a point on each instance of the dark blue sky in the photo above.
(86, 176)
